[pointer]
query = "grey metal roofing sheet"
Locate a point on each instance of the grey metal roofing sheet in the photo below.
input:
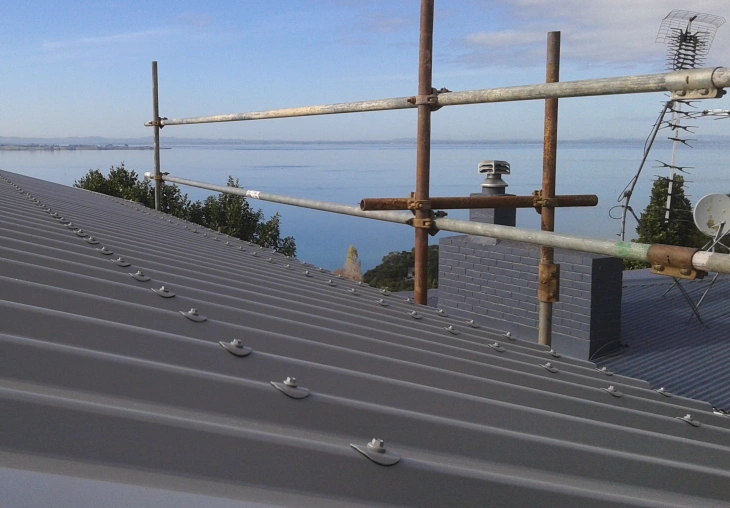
(664, 342)
(98, 371)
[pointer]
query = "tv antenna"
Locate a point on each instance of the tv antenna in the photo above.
(688, 36)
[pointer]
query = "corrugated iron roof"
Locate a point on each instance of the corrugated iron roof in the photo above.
(667, 345)
(102, 377)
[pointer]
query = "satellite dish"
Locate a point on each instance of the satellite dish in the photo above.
(711, 211)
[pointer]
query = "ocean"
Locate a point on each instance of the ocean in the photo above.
(346, 173)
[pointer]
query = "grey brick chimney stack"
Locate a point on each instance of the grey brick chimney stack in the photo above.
(494, 282)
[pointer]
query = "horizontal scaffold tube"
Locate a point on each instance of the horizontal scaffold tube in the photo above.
(664, 82)
(388, 216)
(707, 261)
(473, 202)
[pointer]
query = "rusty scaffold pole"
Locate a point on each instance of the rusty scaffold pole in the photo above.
(424, 101)
(156, 124)
(549, 273)
(472, 202)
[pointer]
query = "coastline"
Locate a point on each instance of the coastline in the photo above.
(49, 148)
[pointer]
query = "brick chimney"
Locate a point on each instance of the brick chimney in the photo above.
(494, 282)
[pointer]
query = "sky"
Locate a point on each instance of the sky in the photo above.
(82, 68)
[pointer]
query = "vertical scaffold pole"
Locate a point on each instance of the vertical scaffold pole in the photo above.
(156, 118)
(549, 273)
(423, 149)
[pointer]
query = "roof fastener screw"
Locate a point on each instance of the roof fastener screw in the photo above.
(291, 381)
(663, 391)
(140, 276)
(688, 418)
(120, 261)
(236, 347)
(377, 445)
(306, 273)
(613, 391)
(353, 291)
(549, 367)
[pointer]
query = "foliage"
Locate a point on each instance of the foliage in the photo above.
(234, 216)
(680, 229)
(352, 269)
(228, 213)
(392, 273)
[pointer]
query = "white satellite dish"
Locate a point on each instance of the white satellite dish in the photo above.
(710, 212)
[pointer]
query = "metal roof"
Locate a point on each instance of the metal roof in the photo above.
(666, 345)
(101, 377)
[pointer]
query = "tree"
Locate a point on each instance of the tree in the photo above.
(393, 272)
(679, 230)
(233, 215)
(125, 184)
(229, 213)
(352, 269)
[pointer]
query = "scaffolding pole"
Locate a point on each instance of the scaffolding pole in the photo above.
(425, 102)
(701, 260)
(691, 79)
(548, 291)
(156, 116)
(472, 202)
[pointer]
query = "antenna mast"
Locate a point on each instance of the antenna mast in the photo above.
(688, 36)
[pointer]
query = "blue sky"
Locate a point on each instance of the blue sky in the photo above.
(82, 68)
